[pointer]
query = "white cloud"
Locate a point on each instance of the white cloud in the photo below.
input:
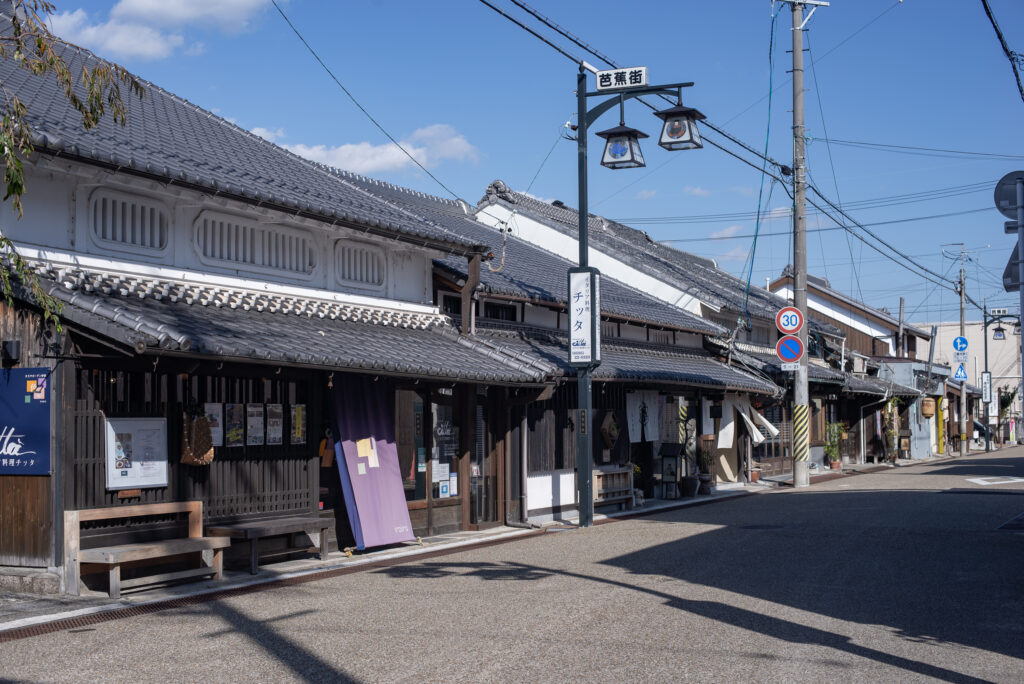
(738, 254)
(151, 29)
(267, 134)
(430, 146)
(779, 212)
(646, 194)
(115, 37)
(696, 191)
(726, 232)
(229, 15)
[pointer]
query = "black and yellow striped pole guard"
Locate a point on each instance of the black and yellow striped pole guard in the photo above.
(801, 436)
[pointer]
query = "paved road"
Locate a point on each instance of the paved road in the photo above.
(894, 576)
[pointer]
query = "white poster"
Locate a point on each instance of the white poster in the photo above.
(275, 423)
(136, 452)
(215, 415)
(440, 473)
(254, 424)
(453, 484)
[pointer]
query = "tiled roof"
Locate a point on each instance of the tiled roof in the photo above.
(521, 269)
(311, 334)
(172, 140)
(633, 361)
(876, 386)
(766, 360)
(823, 285)
(694, 275)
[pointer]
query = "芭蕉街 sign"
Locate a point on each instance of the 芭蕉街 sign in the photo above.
(24, 421)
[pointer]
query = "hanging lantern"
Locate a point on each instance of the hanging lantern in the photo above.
(622, 148)
(999, 333)
(679, 131)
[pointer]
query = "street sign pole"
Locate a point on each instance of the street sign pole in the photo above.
(963, 380)
(1020, 257)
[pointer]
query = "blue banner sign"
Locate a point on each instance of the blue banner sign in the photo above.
(25, 421)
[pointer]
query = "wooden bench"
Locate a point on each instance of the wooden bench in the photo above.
(114, 556)
(254, 530)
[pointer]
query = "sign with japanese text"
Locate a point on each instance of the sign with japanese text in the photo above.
(629, 77)
(136, 453)
(986, 387)
(584, 317)
(25, 421)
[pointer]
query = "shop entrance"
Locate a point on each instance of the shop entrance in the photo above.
(487, 468)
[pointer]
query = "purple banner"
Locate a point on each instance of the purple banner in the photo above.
(370, 475)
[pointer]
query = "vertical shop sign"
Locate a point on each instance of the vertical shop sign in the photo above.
(584, 317)
(24, 421)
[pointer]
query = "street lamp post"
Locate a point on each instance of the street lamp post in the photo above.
(1000, 334)
(622, 150)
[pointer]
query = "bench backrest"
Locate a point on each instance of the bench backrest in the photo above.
(73, 520)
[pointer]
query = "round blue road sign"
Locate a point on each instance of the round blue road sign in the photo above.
(960, 344)
(789, 348)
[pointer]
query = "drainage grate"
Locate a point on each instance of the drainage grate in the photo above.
(78, 623)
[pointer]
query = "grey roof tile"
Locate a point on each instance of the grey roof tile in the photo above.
(632, 361)
(693, 274)
(436, 351)
(173, 140)
(521, 269)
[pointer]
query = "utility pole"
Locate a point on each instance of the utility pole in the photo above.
(963, 383)
(801, 400)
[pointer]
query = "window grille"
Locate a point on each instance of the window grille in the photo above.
(360, 264)
(129, 223)
(226, 239)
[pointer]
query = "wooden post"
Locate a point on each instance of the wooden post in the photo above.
(71, 541)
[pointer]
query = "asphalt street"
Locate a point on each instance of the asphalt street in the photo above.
(901, 575)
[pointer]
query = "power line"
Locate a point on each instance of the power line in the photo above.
(1014, 57)
(531, 32)
(921, 151)
(356, 102)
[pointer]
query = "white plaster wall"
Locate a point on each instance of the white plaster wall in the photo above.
(558, 243)
(48, 202)
(550, 489)
(56, 222)
(632, 332)
(862, 323)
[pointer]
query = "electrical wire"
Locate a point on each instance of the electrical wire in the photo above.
(767, 136)
(1014, 57)
(910, 149)
(854, 268)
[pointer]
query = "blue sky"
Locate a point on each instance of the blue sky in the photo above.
(477, 98)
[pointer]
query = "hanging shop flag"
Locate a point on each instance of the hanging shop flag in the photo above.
(24, 421)
(371, 477)
(642, 419)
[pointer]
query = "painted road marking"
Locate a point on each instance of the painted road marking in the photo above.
(985, 481)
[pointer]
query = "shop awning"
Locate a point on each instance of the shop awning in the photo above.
(156, 318)
(624, 360)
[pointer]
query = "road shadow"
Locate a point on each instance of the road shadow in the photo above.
(904, 559)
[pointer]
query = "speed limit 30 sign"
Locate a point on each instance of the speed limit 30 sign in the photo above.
(789, 320)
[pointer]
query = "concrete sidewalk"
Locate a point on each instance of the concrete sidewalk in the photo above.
(19, 610)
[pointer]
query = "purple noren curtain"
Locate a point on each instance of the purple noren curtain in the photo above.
(368, 462)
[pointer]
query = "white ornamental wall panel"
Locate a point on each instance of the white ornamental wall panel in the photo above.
(124, 222)
(237, 242)
(360, 265)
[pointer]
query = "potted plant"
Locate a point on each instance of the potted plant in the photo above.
(833, 436)
(706, 461)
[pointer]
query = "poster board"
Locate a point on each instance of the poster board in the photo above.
(136, 453)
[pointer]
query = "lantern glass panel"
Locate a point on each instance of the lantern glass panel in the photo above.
(999, 334)
(622, 152)
(680, 133)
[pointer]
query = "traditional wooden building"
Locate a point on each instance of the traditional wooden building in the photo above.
(203, 271)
